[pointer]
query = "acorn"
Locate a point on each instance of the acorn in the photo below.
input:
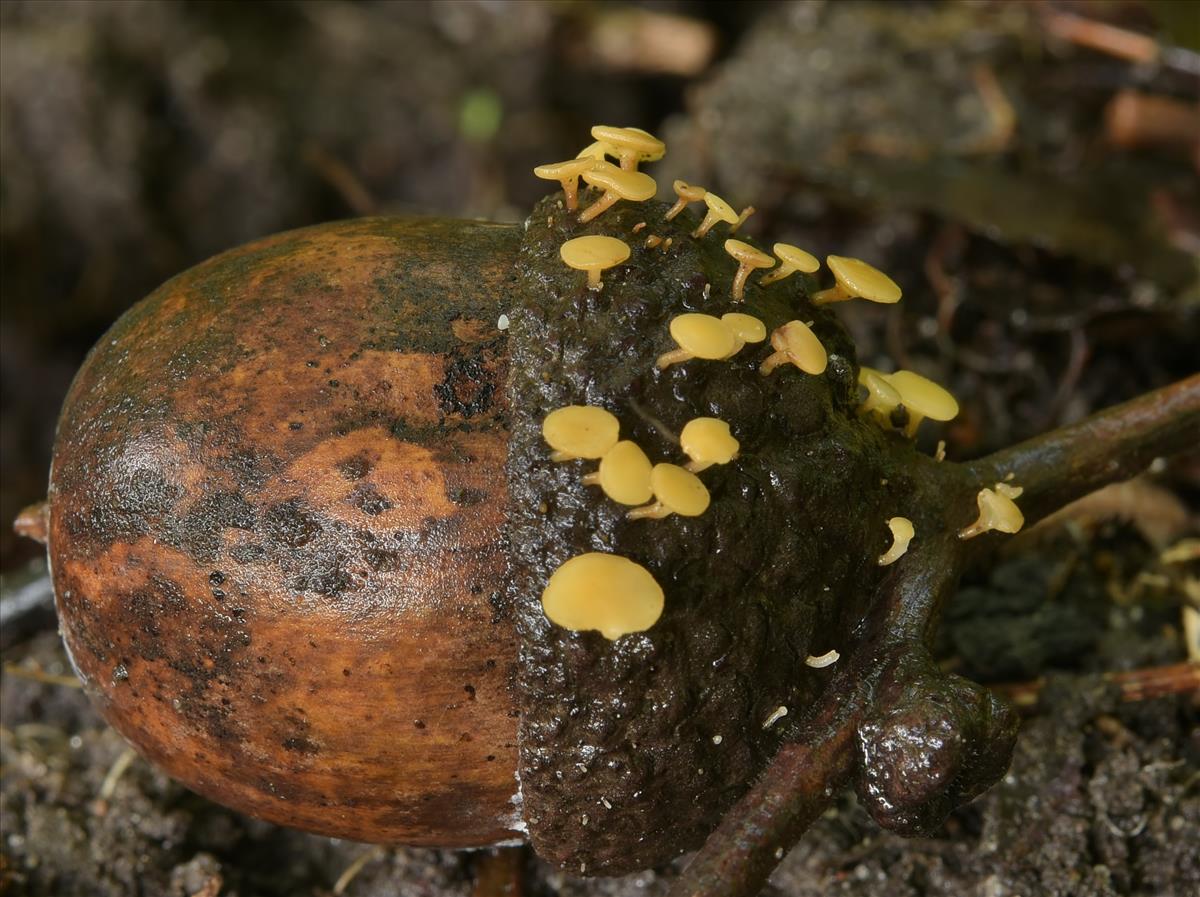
(318, 555)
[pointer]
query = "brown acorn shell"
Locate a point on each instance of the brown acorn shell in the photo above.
(276, 509)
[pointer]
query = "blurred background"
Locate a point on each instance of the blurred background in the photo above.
(1028, 172)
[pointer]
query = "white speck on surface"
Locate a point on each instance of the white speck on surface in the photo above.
(717, 739)
(707, 290)
(583, 820)
(820, 661)
(502, 324)
(779, 853)
(776, 715)
(607, 805)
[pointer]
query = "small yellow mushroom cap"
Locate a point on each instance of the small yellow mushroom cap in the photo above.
(857, 278)
(707, 440)
(557, 171)
(597, 151)
(745, 254)
(633, 185)
(747, 328)
(703, 335)
(687, 191)
(648, 147)
(923, 396)
(802, 347)
(604, 592)
(795, 257)
(720, 208)
(625, 474)
(593, 253)
(996, 512)
(679, 490)
(582, 431)
(881, 395)
(902, 533)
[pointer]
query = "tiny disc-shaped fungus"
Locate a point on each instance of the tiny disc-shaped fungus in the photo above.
(795, 342)
(707, 441)
(594, 254)
(616, 184)
(922, 398)
(687, 193)
(746, 329)
(632, 145)
(855, 279)
(676, 491)
(566, 173)
(791, 259)
(882, 398)
(624, 474)
(718, 210)
(902, 533)
(996, 512)
(748, 259)
(580, 431)
(604, 592)
(699, 336)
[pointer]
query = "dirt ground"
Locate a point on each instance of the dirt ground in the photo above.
(1049, 270)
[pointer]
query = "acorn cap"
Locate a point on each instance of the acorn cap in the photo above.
(582, 431)
(857, 278)
(594, 253)
(707, 440)
(923, 396)
(703, 335)
(747, 328)
(679, 490)
(603, 592)
(647, 147)
(625, 474)
(745, 254)
(796, 258)
(802, 347)
(633, 185)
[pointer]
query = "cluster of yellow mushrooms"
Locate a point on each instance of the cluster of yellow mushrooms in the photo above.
(612, 594)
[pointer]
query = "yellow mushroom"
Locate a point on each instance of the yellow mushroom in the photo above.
(718, 210)
(567, 174)
(676, 491)
(593, 254)
(996, 512)
(746, 213)
(1010, 491)
(616, 184)
(580, 431)
(603, 592)
(882, 398)
(598, 151)
(746, 329)
(791, 259)
(795, 342)
(632, 145)
(922, 398)
(624, 474)
(902, 534)
(687, 193)
(748, 259)
(707, 441)
(855, 279)
(698, 336)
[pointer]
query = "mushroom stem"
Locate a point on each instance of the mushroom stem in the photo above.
(673, 357)
(772, 361)
(656, 510)
(570, 189)
(834, 294)
(591, 479)
(603, 204)
(819, 760)
(697, 466)
(562, 456)
(594, 279)
(706, 225)
(746, 213)
(739, 281)
(778, 274)
(914, 421)
(680, 205)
